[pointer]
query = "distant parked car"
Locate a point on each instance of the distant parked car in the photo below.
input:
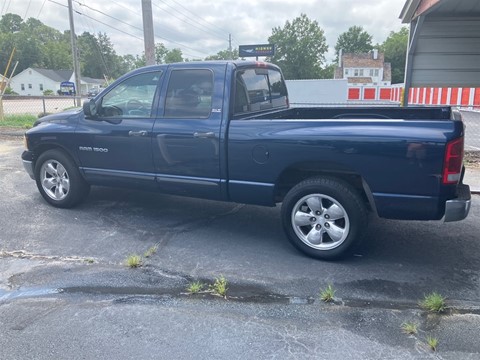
(93, 92)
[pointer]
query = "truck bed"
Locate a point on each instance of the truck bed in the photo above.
(358, 112)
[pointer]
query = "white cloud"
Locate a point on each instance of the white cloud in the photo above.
(201, 27)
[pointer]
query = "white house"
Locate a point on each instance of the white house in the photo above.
(34, 81)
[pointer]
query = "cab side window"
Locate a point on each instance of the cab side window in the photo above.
(131, 98)
(259, 89)
(189, 94)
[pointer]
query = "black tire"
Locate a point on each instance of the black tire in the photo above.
(324, 218)
(59, 180)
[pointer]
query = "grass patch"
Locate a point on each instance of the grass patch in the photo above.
(18, 121)
(328, 294)
(195, 287)
(220, 286)
(133, 261)
(410, 328)
(432, 342)
(433, 302)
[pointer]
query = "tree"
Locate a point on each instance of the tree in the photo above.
(37, 45)
(224, 55)
(98, 58)
(300, 48)
(328, 71)
(172, 56)
(395, 50)
(10, 23)
(160, 52)
(354, 40)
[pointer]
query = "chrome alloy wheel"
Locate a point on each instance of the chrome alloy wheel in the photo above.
(320, 221)
(55, 180)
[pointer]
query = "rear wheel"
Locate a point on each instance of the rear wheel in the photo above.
(324, 217)
(59, 180)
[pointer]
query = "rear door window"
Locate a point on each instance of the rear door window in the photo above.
(189, 94)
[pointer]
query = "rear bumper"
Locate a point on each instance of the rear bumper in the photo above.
(457, 209)
(27, 159)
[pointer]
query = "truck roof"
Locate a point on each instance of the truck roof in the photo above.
(236, 63)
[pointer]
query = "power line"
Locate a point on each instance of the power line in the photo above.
(183, 20)
(135, 27)
(111, 17)
(89, 25)
(26, 11)
(131, 35)
(101, 22)
(208, 22)
(8, 6)
(41, 8)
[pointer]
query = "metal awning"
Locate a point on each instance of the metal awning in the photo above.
(444, 43)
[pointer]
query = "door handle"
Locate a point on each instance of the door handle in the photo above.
(138, 133)
(204, 135)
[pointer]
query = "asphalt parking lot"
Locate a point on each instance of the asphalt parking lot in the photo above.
(63, 274)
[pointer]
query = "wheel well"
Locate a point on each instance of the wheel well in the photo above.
(294, 175)
(39, 150)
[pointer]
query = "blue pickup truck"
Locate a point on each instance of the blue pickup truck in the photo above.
(225, 131)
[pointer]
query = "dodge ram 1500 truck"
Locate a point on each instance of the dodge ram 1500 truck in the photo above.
(225, 131)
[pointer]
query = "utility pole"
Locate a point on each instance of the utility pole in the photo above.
(76, 65)
(148, 36)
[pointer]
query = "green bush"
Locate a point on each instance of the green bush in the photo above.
(9, 91)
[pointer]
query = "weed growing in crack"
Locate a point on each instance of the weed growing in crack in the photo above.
(133, 261)
(195, 287)
(410, 328)
(151, 251)
(328, 294)
(432, 342)
(219, 286)
(433, 302)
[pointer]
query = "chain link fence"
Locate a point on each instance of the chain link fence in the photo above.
(35, 105)
(471, 119)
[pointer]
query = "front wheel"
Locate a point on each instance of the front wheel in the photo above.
(59, 180)
(324, 217)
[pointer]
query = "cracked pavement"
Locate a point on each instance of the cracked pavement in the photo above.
(66, 293)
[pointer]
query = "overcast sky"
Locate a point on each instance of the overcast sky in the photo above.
(202, 27)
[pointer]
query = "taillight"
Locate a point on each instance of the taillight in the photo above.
(453, 162)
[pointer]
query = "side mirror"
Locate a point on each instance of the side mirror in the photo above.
(90, 108)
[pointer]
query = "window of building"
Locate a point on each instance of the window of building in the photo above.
(346, 71)
(361, 72)
(371, 72)
(376, 72)
(41, 87)
(22, 86)
(30, 86)
(355, 72)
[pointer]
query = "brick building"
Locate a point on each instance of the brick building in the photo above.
(364, 69)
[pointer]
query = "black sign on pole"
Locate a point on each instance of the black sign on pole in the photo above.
(256, 50)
